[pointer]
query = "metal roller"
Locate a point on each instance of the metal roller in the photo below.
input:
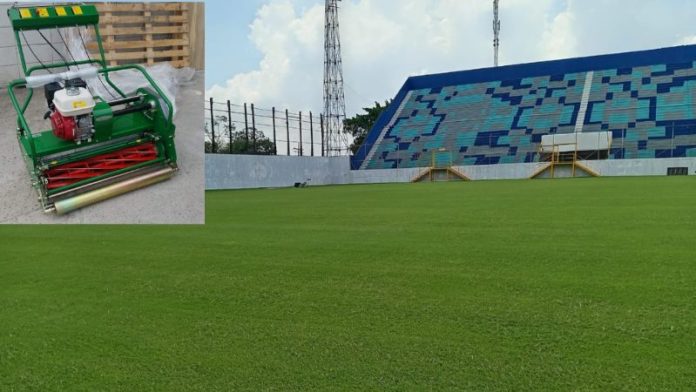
(74, 203)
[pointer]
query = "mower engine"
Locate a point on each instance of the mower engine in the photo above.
(70, 110)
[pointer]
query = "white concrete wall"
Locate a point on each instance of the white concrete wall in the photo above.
(380, 176)
(511, 171)
(257, 171)
(640, 167)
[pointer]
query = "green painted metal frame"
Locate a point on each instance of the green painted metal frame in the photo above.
(162, 127)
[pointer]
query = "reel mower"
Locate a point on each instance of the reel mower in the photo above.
(96, 148)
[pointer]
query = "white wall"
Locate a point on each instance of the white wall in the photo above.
(258, 171)
(640, 167)
(252, 171)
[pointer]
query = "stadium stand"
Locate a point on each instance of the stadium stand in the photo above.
(643, 100)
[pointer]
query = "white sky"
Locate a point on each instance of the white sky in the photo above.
(385, 41)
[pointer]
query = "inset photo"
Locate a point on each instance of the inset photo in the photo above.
(100, 114)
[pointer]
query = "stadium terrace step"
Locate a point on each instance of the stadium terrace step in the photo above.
(564, 170)
(433, 174)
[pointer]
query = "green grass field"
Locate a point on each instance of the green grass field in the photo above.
(586, 284)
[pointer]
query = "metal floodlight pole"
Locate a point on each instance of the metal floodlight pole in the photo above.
(496, 32)
(334, 98)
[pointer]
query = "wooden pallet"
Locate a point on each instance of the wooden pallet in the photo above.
(145, 33)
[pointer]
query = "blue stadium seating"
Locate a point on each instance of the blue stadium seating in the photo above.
(498, 115)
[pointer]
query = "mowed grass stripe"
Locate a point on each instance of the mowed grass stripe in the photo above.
(515, 285)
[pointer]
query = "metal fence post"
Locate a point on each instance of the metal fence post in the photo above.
(301, 146)
(398, 154)
(287, 130)
(311, 134)
(321, 125)
(275, 147)
(212, 127)
(671, 143)
(246, 130)
(229, 123)
(253, 127)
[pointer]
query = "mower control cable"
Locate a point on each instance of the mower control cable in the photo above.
(67, 65)
(84, 46)
(67, 48)
(34, 54)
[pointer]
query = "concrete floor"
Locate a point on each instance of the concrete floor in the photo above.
(178, 200)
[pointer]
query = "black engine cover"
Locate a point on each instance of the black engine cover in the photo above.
(49, 91)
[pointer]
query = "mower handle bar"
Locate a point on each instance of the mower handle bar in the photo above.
(42, 80)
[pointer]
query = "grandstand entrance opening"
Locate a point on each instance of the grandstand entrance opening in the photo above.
(441, 168)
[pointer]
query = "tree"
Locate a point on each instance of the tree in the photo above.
(230, 141)
(360, 124)
(240, 144)
(217, 144)
(211, 145)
